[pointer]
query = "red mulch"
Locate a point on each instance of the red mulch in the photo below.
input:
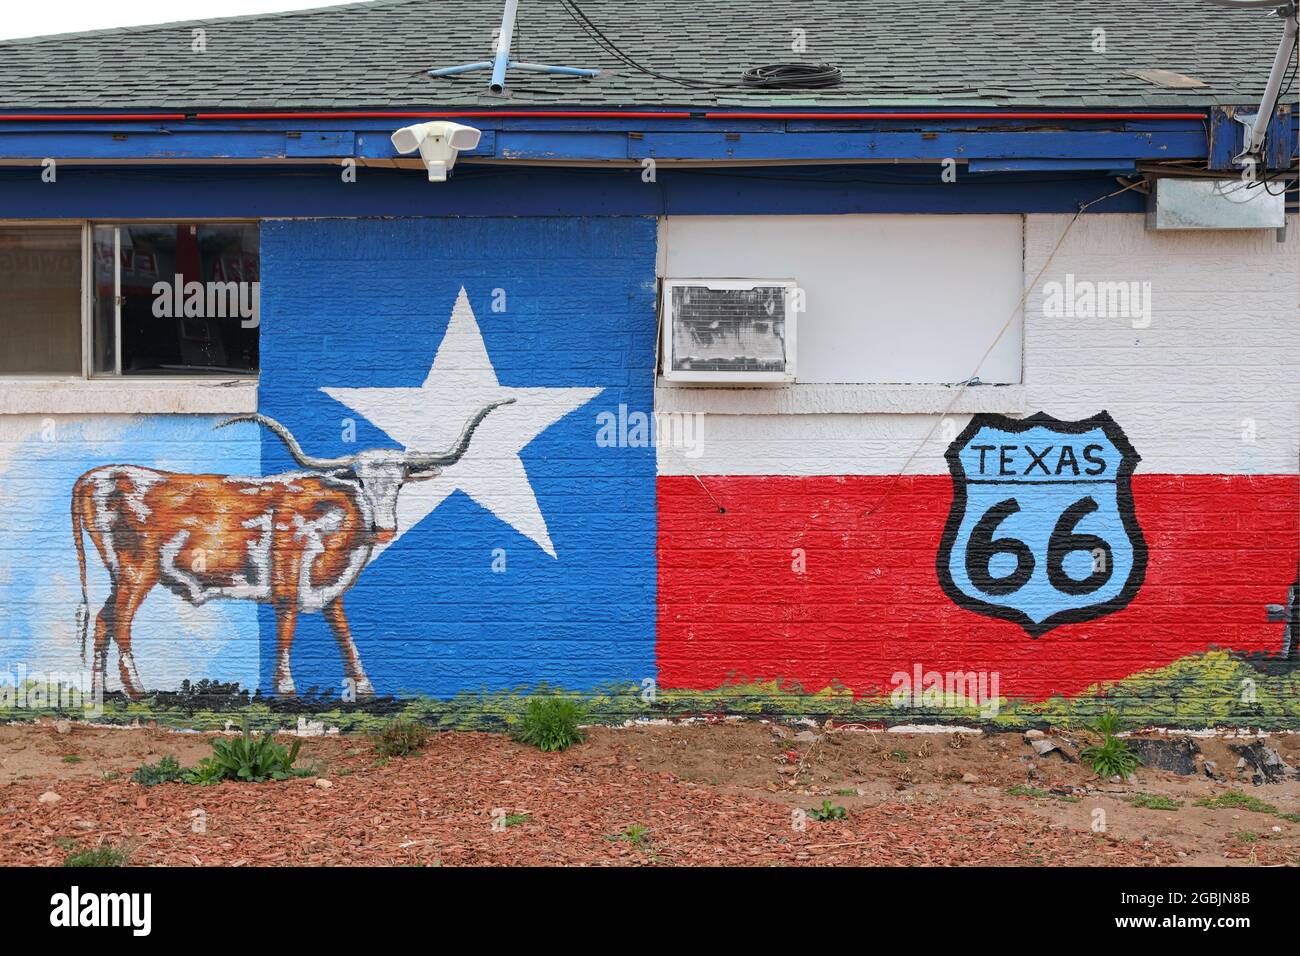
(438, 807)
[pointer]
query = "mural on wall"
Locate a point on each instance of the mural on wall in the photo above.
(1042, 530)
(532, 559)
(41, 458)
(548, 556)
(296, 541)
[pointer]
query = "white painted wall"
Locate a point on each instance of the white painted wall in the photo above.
(1222, 351)
(890, 299)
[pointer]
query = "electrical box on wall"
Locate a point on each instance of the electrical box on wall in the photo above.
(1175, 203)
(736, 331)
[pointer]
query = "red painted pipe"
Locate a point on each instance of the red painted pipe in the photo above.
(585, 114)
(399, 114)
(79, 117)
(370, 114)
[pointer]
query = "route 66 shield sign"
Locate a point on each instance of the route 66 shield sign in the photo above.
(1042, 530)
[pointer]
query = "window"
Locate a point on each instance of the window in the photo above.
(40, 300)
(175, 298)
(160, 299)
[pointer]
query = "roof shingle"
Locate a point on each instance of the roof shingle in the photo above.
(968, 53)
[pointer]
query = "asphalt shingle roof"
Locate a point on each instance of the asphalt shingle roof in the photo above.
(945, 53)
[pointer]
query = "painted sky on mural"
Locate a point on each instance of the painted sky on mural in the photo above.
(172, 640)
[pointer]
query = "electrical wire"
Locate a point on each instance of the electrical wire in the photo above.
(775, 76)
(1024, 296)
(1294, 55)
(588, 27)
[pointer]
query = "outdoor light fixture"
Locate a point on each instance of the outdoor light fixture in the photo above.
(439, 144)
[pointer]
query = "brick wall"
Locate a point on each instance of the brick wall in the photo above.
(41, 458)
(798, 553)
(822, 569)
(530, 561)
(539, 565)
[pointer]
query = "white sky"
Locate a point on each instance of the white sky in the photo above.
(26, 18)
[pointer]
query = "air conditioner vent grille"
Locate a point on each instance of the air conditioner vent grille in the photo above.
(729, 330)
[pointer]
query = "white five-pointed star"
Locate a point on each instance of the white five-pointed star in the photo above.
(461, 381)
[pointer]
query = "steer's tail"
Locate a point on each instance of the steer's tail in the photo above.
(83, 609)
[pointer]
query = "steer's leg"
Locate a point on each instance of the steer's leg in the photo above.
(99, 653)
(286, 563)
(126, 602)
(286, 618)
(338, 622)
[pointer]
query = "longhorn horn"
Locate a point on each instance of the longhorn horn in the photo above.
(418, 460)
(286, 436)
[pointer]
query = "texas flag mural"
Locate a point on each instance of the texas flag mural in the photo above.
(531, 559)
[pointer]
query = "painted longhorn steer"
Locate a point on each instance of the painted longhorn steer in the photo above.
(296, 541)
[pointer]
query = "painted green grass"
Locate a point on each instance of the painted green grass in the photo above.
(1213, 689)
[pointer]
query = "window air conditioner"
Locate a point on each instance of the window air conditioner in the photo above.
(739, 331)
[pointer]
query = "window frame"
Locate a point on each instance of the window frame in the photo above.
(116, 379)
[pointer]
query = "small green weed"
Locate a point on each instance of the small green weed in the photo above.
(636, 834)
(1107, 724)
(166, 770)
(827, 811)
(550, 723)
(106, 855)
(401, 738)
(249, 758)
(1019, 790)
(1154, 801)
(1233, 800)
(1112, 758)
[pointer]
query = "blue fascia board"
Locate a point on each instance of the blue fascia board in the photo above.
(258, 192)
(1227, 137)
(613, 139)
(1111, 165)
(918, 146)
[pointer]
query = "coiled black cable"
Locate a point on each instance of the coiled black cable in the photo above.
(794, 75)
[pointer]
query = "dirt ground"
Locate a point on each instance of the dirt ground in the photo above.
(712, 793)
